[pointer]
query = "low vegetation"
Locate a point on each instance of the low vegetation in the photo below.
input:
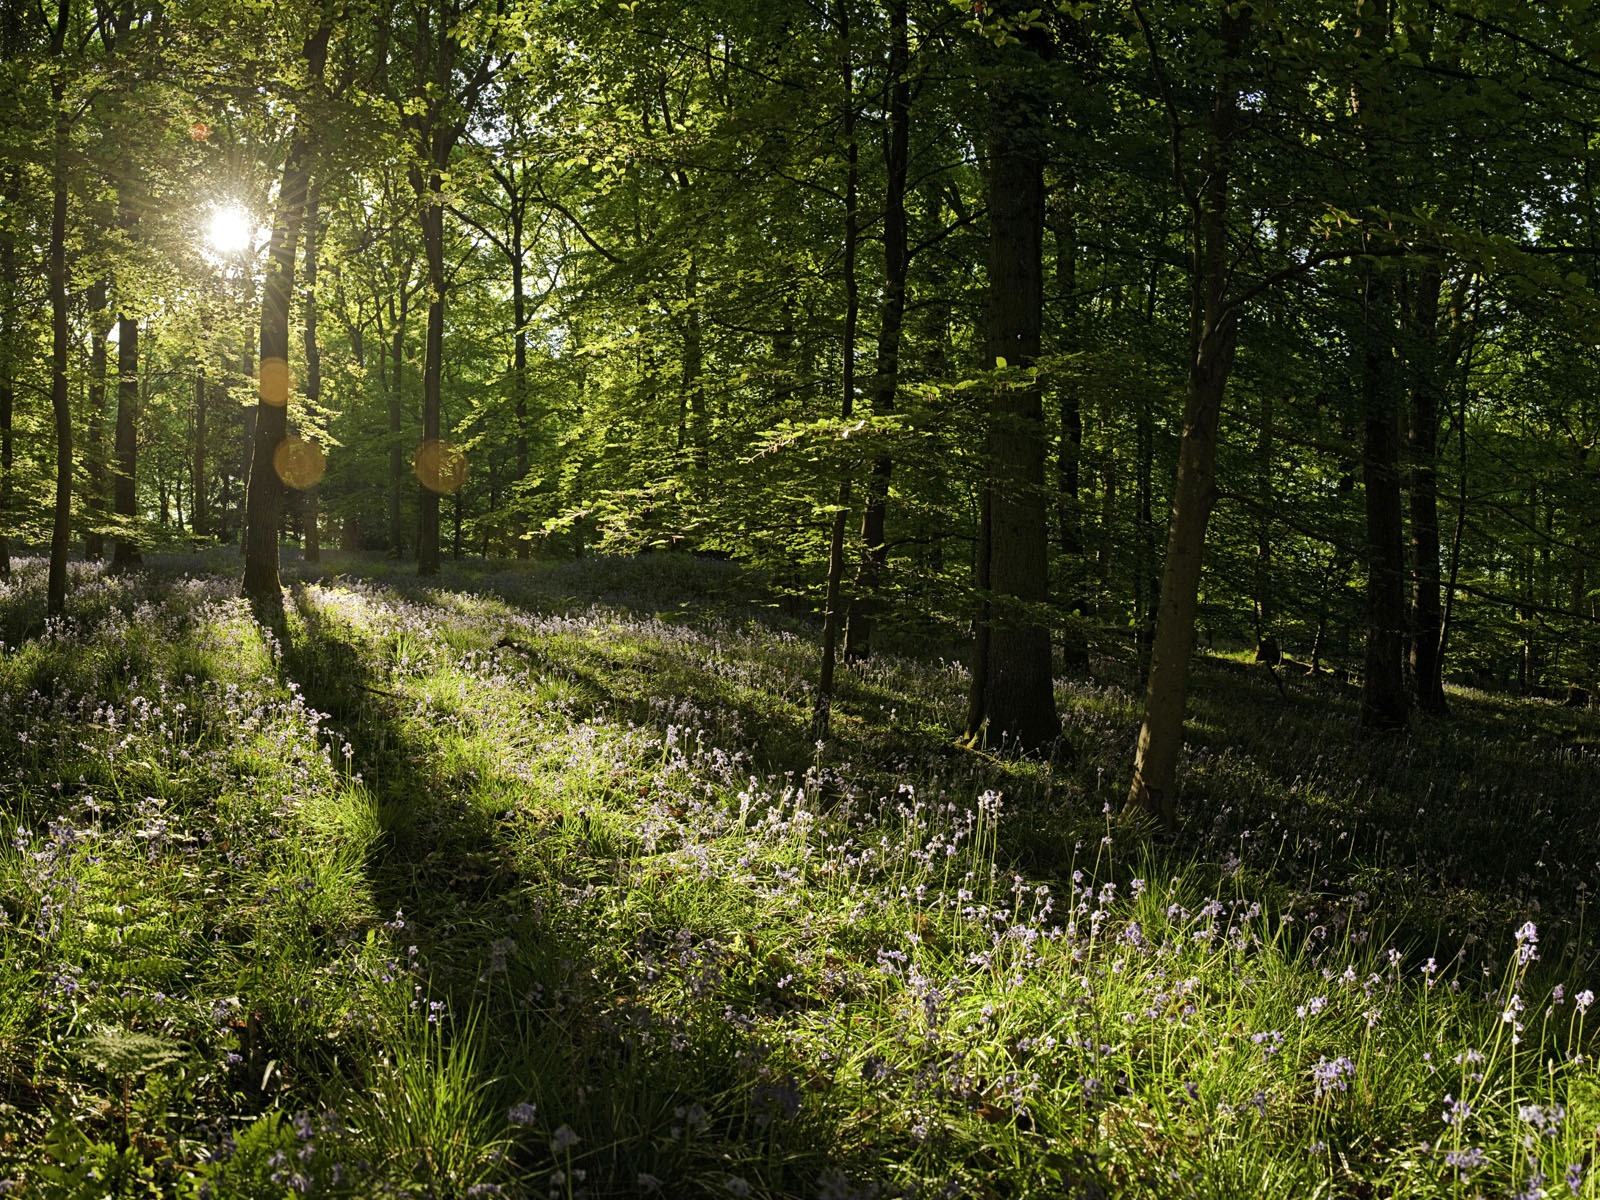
(533, 884)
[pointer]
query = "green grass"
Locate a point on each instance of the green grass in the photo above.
(532, 883)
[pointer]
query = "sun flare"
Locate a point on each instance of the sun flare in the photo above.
(231, 231)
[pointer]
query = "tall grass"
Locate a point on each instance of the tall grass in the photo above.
(533, 884)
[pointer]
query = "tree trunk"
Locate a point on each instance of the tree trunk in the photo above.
(1069, 450)
(1422, 444)
(94, 542)
(265, 490)
(428, 195)
(1213, 333)
(197, 495)
(312, 542)
(1016, 707)
(1385, 702)
(1265, 500)
(125, 550)
(519, 372)
(865, 603)
(832, 616)
(396, 352)
(8, 354)
(60, 330)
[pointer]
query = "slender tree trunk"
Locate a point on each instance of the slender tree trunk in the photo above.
(396, 352)
(1385, 703)
(1423, 450)
(1213, 333)
(1069, 449)
(312, 541)
(8, 354)
(694, 384)
(519, 372)
(1017, 704)
(865, 604)
(125, 550)
(60, 331)
(832, 613)
(1265, 500)
(197, 502)
(94, 542)
(265, 490)
(432, 363)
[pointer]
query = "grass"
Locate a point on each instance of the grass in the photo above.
(531, 883)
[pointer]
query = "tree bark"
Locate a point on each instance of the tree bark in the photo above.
(1213, 334)
(125, 549)
(832, 616)
(94, 542)
(60, 331)
(8, 356)
(865, 603)
(1016, 705)
(516, 201)
(197, 494)
(265, 490)
(1422, 444)
(1069, 449)
(313, 350)
(1385, 702)
(432, 362)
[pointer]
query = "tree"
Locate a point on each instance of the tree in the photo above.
(1012, 698)
(265, 488)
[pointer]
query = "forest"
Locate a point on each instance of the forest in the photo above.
(829, 598)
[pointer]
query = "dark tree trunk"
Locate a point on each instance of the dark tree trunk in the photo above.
(865, 604)
(1265, 499)
(397, 540)
(1016, 706)
(60, 330)
(125, 550)
(197, 496)
(94, 542)
(1069, 449)
(265, 490)
(832, 614)
(1422, 444)
(1385, 703)
(8, 353)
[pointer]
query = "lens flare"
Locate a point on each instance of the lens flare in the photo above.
(441, 465)
(299, 463)
(232, 230)
(274, 382)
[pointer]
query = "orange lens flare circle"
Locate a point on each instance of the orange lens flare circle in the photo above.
(299, 463)
(273, 382)
(441, 466)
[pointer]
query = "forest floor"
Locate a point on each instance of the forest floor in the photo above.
(532, 883)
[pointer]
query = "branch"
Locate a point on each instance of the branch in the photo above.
(1164, 87)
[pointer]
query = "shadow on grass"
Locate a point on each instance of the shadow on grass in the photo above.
(494, 896)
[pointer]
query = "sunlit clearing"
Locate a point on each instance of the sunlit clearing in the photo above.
(274, 382)
(299, 463)
(232, 230)
(441, 465)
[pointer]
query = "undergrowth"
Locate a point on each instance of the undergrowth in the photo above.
(532, 883)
